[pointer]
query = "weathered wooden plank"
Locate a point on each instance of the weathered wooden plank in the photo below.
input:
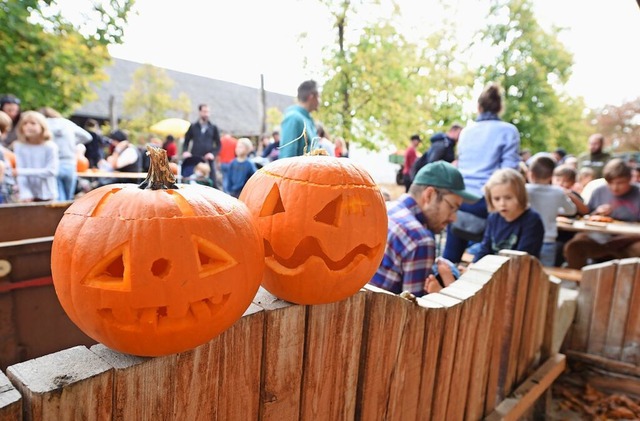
(446, 360)
(623, 287)
(533, 324)
(284, 332)
(195, 384)
(549, 321)
(53, 386)
(29, 220)
(513, 408)
(434, 326)
(516, 302)
(390, 367)
(239, 374)
(631, 344)
(582, 324)
(465, 348)
(10, 400)
(9, 348)
(497, 344)
(601, 307)
(332, 353)
(481, 353)
(140, 384)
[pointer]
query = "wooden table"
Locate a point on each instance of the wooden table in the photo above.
(584, 225)
(112, 174)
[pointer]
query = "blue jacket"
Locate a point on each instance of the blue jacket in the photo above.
(484, 147)
(293, 124)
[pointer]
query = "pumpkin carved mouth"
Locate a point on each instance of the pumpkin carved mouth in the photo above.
(310, 248)
(158, 317)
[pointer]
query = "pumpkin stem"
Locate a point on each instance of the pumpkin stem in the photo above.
(159, 176)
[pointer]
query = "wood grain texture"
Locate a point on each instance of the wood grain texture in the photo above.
(601, 309)
(631, 345)
(331, 360)
(282, 356)
(53, 385)
(619, 309)
(10, 400)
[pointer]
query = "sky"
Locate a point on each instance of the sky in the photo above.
(240, 40)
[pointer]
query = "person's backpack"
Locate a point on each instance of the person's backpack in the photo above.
(419, 163)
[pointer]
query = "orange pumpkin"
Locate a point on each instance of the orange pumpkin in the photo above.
(158, 268)
(324, 224)
(82, 163)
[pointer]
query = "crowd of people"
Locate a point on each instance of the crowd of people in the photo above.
(481, 193)
(474, 185)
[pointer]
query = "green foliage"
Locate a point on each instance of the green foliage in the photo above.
(532, 66)
(274, 117)
(46, 61)
(149, 100)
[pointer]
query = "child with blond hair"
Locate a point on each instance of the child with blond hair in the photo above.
(511, 224)
(240, 169)
(36, 159)
(201, 174)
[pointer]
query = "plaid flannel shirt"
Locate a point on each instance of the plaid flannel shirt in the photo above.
(410, 251)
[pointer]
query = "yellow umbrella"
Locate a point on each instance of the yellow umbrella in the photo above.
(171, 126)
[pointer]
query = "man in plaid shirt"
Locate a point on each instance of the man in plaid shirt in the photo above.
(431, 203)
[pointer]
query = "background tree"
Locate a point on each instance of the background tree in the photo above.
(381, 87)
(620, 125)
(47, 61)
(149, 100)
(533, 67)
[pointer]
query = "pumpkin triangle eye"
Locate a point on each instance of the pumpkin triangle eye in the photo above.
(272, 203)
(330, 214)
(110, 272)
(212, 258)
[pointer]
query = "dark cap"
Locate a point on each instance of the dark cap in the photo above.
(445, 176)
(118, 135)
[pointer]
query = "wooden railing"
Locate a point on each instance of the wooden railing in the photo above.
(606, 330)
(459, 354)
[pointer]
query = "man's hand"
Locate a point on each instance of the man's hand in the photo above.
(209, 157)
(186, 154)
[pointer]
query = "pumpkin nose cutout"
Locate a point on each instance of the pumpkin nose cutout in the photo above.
(272, 203)
(160, 268)
(330, 214)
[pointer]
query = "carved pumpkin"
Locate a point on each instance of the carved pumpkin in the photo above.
(158, 268)
(324, 224)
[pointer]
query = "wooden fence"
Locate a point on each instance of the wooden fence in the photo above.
(606, 329)
(480, 348)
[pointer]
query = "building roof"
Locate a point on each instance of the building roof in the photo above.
(234, 108)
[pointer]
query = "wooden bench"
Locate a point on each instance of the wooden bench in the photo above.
(605, 336)
(482, 347)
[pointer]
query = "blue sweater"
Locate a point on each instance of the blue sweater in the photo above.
(237, 176)
(484, 147)
(524, 234)
(293, 124)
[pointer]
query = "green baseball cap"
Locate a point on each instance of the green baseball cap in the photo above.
(445, 176)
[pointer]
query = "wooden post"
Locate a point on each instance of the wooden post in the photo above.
(446, 359)
(601, 307)
(631, 343)
(141, 386)
(625, 278)
(391, 361)
(10, 400)
(283, 350)
(332, 354)
(239, 371)
(72, 384)
(434, 326)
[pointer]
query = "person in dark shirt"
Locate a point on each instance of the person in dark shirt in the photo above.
(511, 225)
(202, 140)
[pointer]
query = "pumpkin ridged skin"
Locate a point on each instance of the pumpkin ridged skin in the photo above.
(325, 239)
(155, 272)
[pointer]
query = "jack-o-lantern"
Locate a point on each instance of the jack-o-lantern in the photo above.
(324, 224)
(158, 268)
